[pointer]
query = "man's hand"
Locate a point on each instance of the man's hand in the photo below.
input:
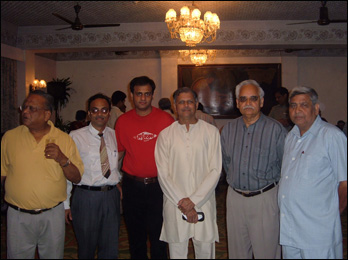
(52, 151)
(68, 216)
(192, 216)
(186, 205)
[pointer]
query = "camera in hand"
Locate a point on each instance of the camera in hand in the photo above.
(200, 216)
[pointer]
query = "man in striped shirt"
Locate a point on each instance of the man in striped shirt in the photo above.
(252, 149)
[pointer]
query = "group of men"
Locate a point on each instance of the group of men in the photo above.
(285, 189)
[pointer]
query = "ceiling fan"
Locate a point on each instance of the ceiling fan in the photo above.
(323, 17)
(77, 25)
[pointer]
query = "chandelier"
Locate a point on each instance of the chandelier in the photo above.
(190, 28)
(198, 57)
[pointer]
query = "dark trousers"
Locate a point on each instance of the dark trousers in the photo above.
(142, 210)
(96, 222)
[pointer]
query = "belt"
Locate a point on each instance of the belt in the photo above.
(33, 211)
(140, 179)
(96, 188)
(254, 193)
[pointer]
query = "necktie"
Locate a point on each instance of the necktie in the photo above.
(105, 166)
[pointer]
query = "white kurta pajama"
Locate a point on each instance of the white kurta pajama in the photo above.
(189, 165)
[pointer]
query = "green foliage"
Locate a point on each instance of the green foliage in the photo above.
(60, 91)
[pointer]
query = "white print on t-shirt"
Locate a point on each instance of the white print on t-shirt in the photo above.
(145, 136)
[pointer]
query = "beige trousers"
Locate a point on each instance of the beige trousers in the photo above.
(253, 225)
(202, 250)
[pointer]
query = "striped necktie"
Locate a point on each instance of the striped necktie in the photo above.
(105, 166)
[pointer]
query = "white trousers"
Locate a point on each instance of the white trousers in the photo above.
(202, 250)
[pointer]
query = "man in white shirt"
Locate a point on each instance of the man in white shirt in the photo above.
(95, 206)
(188, 158)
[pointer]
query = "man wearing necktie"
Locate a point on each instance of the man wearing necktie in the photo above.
(95, 206)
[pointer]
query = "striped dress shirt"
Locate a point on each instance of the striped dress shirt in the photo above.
(252, 155)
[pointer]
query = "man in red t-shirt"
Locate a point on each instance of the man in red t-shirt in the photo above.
(136, 133)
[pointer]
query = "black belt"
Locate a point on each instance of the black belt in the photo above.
(96, 188)
(33, 211)
(141, 179)
(254, 193)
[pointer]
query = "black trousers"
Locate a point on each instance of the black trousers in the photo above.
(142, 210)
(96, 222)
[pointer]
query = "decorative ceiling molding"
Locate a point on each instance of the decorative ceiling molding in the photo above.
(134, 37)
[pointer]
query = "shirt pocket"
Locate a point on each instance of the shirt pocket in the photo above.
(310, 165)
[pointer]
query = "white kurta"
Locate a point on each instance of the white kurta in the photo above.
(189, 165)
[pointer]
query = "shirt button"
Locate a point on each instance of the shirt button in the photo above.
(283, 196)
(299, 141)
(293, 158)
(286, 177)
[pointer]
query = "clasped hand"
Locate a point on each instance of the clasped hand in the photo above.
(186, 206)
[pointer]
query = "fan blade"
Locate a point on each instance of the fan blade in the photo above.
(100, 25)
(63, 28)
(338, 21)
(302, 22)
(63, 18)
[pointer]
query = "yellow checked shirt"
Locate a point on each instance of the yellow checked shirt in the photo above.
(32, 181)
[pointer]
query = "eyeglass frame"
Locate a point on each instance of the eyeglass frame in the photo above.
(244, 99)
(31, 108)
(103, 110)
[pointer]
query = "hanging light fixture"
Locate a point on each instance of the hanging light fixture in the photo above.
(198, 57)
(190, 28)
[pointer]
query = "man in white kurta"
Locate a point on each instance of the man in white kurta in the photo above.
(188, 159)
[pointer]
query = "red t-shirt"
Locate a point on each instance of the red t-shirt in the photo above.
(137, 136)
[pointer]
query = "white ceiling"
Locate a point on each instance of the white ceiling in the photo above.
(39, 13)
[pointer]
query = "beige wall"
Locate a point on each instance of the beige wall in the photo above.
(326, 74)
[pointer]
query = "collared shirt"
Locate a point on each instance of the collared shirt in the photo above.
(32, 180)
(88, 143)
(189, 165)
(252, 155)
(313, 165)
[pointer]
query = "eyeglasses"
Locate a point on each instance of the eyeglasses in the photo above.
(244, 99)
(95, 110)
(31, 108)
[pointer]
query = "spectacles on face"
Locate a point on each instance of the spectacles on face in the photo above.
(95, 110)
(243, 99)
(31, 108)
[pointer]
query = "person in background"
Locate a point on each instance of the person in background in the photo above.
(204, 116)
(36, 160)
(95, 206)
(80, 120)
(118, 100)
(165, 105)
(280, 112)
(340, 124)
(313, 187)
(188, 179)
(137, 132)
(252, 150)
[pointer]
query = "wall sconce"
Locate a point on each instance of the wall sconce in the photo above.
(37, 85)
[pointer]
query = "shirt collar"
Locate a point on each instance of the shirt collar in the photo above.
(314, 129)
(94, 131)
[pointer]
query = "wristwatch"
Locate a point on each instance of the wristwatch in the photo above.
(67, 163)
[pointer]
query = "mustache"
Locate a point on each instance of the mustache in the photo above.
(247, 106)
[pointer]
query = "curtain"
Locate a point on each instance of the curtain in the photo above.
(9, 107)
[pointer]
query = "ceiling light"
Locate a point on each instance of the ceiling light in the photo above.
(37, 84)
(198, 57)
(190, 28)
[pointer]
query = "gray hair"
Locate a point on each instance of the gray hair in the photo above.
(249, 82)
(48, 97)
(185, 90)
(313, 95)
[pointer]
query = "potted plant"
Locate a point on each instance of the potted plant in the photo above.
(60, 90)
